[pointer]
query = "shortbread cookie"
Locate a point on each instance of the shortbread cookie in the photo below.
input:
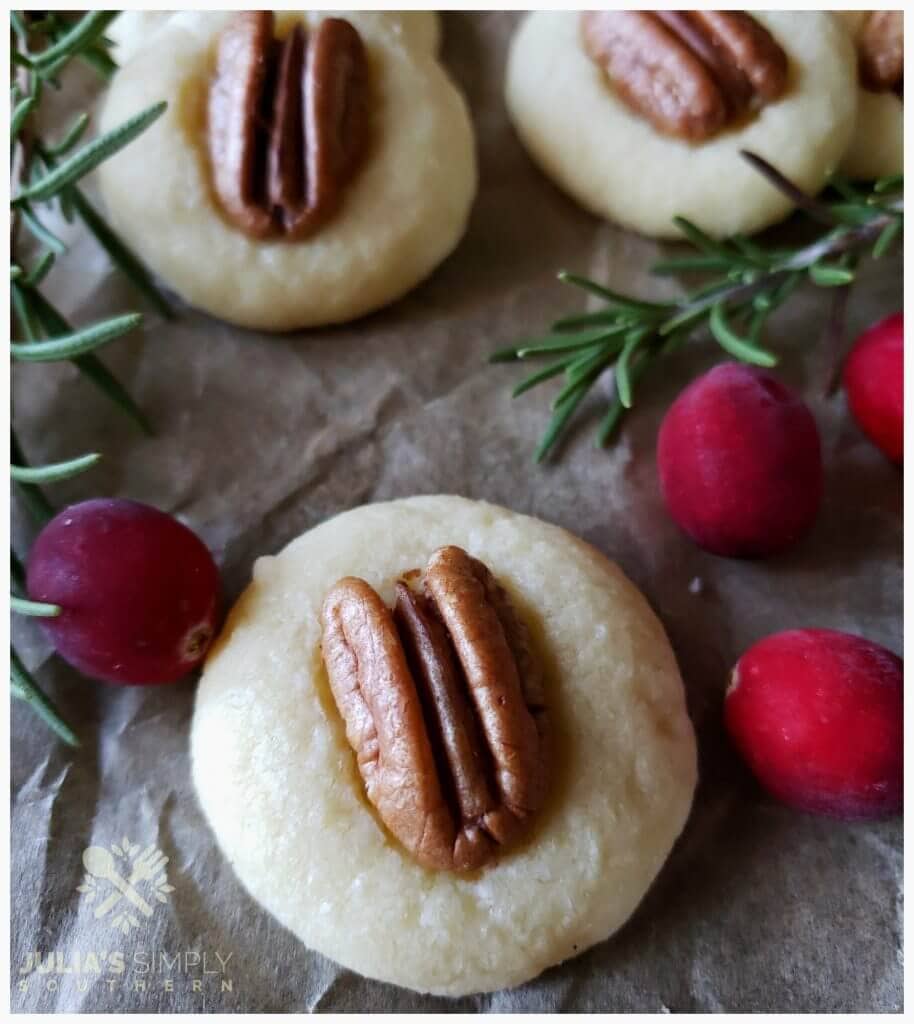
(133, 31)
(877, 146)
(615, 162)
(397, 208)
(283, 792)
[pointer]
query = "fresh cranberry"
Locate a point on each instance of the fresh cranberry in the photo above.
(138, 591)
(874, 382)
(818, 716)
(739, 462)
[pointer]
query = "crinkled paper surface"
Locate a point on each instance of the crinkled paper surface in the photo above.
(259, 438)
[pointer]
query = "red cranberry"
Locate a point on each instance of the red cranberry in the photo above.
(818, 716)
(139, 592)
(874, 382)
(739, 462)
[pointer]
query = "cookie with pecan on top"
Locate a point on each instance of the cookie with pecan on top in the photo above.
(443, 743)
(640, 116)
(309, 168)
(877, 148)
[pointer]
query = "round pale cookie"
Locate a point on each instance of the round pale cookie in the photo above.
(132, 31)
(280, 786)
(401, 215)
(614, 163)
(877, 146)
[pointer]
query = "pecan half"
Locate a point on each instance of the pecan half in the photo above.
(287, 123)
(690, 73)
(443, 705)
(880, 47)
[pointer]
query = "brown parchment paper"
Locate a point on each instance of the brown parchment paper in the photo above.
(259, 438)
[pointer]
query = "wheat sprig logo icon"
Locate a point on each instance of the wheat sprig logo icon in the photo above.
(119, 873)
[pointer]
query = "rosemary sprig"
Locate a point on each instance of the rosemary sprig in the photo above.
(747, 282)
(48, 171)
(47, 321)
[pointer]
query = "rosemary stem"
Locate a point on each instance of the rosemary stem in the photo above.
(747, 281)
(43, 172)
(836, 244)
(24, 687)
